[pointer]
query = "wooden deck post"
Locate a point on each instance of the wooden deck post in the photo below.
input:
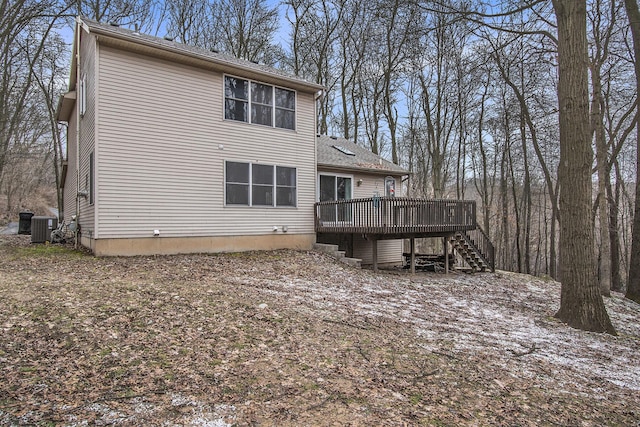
(374, 248)
(446, 255)
(413, 255)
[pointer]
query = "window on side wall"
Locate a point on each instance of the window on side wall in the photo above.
(236, 99)
(285, 186)
(83, 94)
(259, 103)
(260, 185)
(285, 108)
(237, 183)
(91, 178)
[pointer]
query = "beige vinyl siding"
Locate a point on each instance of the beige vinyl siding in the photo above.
(370, 184)
(163, 144)
(86, 217)
(389, 251)
(70, 186)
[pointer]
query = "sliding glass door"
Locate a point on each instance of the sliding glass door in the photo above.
(336, 188)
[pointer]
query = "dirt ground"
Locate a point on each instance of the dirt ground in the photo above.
(291, 338)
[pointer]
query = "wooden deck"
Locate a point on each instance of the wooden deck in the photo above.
(382, 218)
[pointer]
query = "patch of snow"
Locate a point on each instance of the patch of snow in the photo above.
(506, 311)
(203, 415)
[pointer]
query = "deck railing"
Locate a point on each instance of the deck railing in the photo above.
(481, 244)
(395, 216)
(484, 245)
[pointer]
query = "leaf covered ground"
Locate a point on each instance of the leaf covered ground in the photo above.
(291, 338)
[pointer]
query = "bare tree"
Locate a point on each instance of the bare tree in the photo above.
(633, 287)
(191, 22)
(581, 304)
(47, 69)
(354, 40)
(484, 180)
(122, 12)
(246, 29)
(370, 86)
(28, 130)
(25, 26)
(444, 74)
(298, 12)
(602, 24)
(315, 26)
(527, 125)
(398, 19)
(15, 79)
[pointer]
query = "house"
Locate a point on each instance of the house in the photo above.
(349, 171)
(369, 222)
(176, 149)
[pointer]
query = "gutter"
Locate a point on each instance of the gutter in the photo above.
(375, 171)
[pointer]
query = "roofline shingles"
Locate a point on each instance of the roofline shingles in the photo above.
(221, 59)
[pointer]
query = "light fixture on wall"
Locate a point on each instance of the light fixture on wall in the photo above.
(359, 182)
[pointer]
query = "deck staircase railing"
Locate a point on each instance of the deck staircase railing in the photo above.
(475, 248)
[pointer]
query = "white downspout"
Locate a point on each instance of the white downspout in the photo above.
(78, 101)
(316, 197)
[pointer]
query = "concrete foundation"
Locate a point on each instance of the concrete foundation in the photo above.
(183, 245)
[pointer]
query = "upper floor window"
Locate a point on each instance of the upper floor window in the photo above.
(259, 103)
(285, 108)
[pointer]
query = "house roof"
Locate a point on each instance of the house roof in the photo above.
(340, 153)
(227, 63)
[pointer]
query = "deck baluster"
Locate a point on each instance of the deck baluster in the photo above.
(395, 216)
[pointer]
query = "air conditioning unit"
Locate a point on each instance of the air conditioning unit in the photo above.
(41, 227)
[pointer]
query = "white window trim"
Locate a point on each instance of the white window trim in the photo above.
(273, 104)
(274, 205)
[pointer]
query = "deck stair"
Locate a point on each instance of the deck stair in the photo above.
(475, 248)
(337, 254)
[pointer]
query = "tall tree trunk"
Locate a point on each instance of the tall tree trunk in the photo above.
(484, 187)
(526, 188)
(604, 244)
(344, 85)
(581, 305)
(553, 191)
(462, 134)
(516, 212)
(526, 195)
(506, 261)
(614, 235)
(553, 255)
(633, 287)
